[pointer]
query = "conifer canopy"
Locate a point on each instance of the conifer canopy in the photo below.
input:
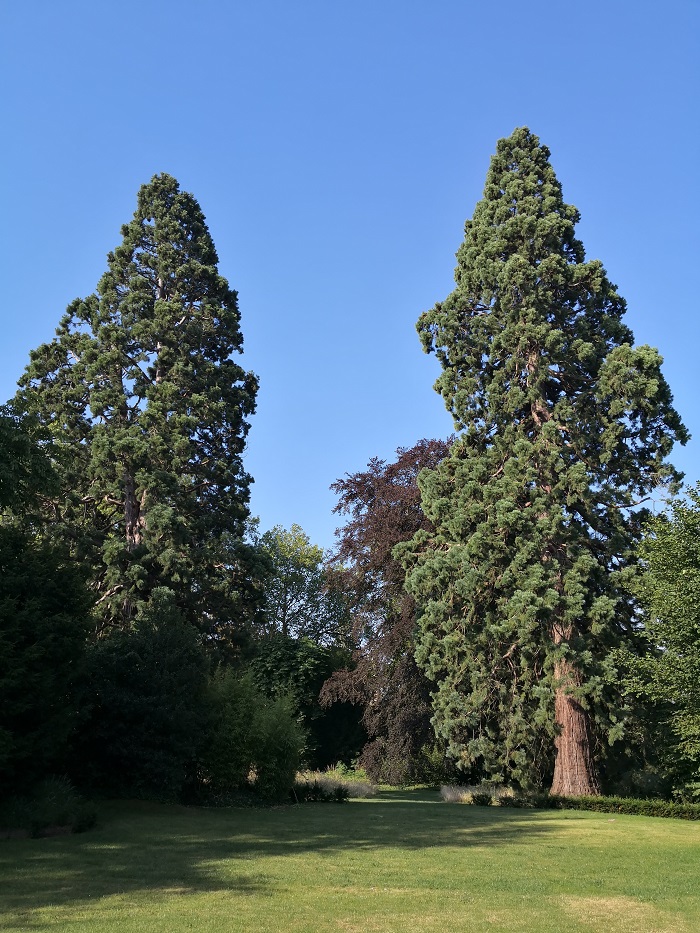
(148, 413)
(564, 426)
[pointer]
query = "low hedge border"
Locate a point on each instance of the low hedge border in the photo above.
(662, 808)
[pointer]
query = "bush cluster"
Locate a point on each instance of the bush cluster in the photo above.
(53, 806)
(319, 792)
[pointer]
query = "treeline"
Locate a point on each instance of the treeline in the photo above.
(499, 606)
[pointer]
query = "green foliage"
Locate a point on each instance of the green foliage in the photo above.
(298, 667)
(26, 473)
(44, 619)
(301, 600)
(522, 583)
(147, 411)
(668, 673)
(145, 715)
(252, 741)
(670, 592)
(53, 805)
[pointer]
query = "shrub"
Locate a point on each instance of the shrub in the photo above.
(253, 742)
(315, 791)
(145, 701)
(482, 795)
(53, 805)
(628, 805)
(279, 742)
(352, 781)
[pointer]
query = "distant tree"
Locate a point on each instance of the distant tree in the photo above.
(44, 618)
(301, 598)
(383, 505)
(303, 637)
(564, 426)
(669, 589)
(148, 414)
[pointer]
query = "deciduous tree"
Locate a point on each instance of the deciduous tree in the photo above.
(383, 508)
(669, 589)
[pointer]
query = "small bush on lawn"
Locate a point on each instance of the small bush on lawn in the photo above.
(250, 737)
(317, 792)
(481, 795)
(53, 806)
(329, 780)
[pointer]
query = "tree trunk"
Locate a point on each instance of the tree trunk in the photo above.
(575, 773)
(133, 519)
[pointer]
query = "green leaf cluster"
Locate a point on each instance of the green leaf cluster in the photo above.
(668, 672)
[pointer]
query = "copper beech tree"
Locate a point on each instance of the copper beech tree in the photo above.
(564, 426)
(382, 508)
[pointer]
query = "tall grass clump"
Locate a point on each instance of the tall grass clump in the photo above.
(337, 780)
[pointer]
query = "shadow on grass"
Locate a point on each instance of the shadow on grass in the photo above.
(167, 850)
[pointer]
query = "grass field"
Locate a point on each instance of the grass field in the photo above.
(402, 861)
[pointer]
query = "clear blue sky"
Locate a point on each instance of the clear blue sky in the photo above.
(336, 150)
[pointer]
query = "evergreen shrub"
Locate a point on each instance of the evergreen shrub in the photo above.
(52, 806)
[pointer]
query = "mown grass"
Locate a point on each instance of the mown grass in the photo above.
(402, 861)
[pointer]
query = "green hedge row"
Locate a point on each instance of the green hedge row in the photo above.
(664, 808)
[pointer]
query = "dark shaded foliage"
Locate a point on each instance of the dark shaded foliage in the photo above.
(299, 667)
(383, 508)
(44, 619)
(144, 707)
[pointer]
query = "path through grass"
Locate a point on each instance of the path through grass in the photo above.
(403, 861)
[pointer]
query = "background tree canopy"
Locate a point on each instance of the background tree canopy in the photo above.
(668, 673)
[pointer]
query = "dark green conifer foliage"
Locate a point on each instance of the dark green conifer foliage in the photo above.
(148, 413)
(564, 426)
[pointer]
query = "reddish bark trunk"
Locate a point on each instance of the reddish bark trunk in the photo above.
(575, 773)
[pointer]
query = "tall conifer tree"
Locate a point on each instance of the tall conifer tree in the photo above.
(564, 425)
(148, 413)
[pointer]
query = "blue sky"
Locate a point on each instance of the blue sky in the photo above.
(336, 150)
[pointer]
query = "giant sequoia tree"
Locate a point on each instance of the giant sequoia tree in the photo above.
(564, 425)
(148, 413)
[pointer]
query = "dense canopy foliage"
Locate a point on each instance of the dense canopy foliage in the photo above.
(147, 411)
(564, 425)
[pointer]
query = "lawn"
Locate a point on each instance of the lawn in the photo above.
(403, 861)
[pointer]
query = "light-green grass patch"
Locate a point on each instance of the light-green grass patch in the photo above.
(401, 861)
